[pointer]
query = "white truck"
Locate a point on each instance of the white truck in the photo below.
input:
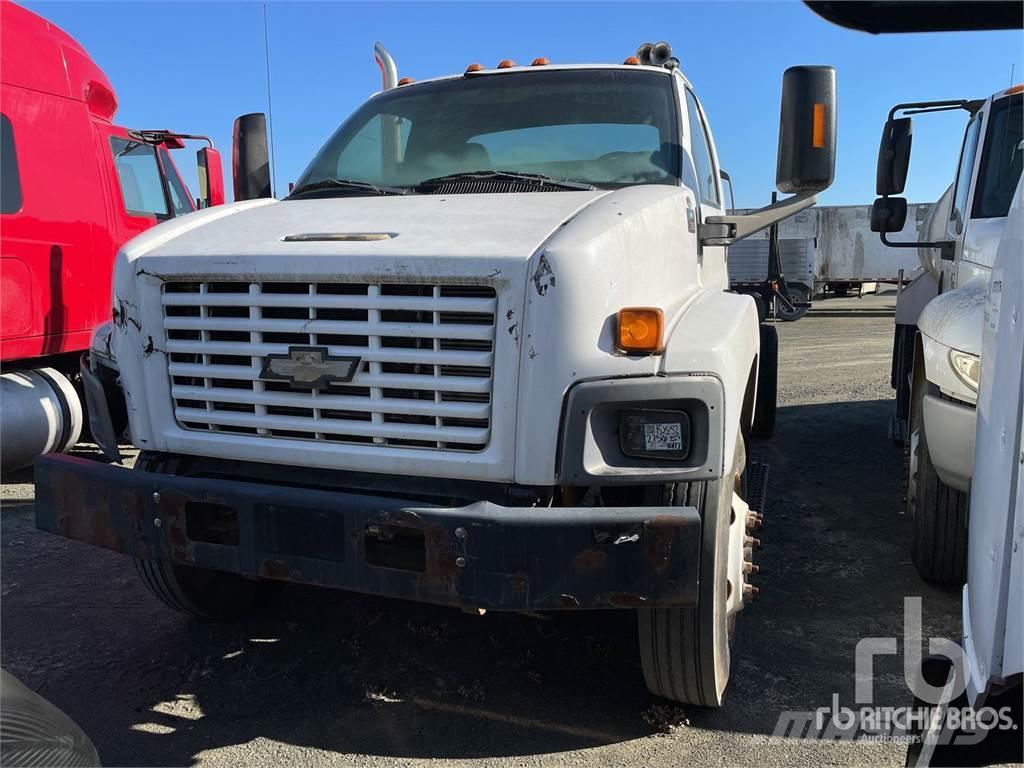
(482, 355)
(938, 336)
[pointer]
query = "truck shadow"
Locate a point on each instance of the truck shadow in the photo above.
(354, 674)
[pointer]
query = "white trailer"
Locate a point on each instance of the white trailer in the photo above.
(847, 254)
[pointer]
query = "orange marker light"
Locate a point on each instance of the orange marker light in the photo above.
(540, 61)
(506, 63)
(818, 137)
(474, 67)
(641, 329)
(1013, 90)
(406, 81)
(632, 60)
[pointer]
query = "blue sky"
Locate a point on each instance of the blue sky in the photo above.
(193, 67)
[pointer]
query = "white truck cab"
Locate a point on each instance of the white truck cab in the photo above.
(483, 355)
(938, 339)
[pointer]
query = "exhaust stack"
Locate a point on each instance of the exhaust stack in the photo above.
(388, 68)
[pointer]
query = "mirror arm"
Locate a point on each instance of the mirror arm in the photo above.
(725, 230)
(945, 246)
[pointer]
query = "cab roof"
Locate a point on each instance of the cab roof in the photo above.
(541, 68)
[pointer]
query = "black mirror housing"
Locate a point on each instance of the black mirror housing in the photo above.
(894, 156)
(250, 162)
(807, 130)
(888, 214)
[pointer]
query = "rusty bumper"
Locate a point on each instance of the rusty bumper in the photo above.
(478, 556)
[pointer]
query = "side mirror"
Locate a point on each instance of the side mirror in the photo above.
(894, 156)
(807, 130)
(250, 163)
(888, 214)
(211, 177)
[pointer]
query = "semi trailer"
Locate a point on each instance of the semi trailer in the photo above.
(939, 317)
(483, 354)
(75, 187)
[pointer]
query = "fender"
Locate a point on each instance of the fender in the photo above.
(952, 320)
(727, 328)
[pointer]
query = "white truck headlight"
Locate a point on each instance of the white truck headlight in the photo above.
(966, 366)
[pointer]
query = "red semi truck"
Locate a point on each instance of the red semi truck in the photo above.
(75, 187)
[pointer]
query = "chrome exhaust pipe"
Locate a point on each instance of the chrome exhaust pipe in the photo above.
(388, 68)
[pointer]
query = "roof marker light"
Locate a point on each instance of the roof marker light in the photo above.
(506, 64)
(474, 67)
(540, 61)
(406, 81)
(632, 60)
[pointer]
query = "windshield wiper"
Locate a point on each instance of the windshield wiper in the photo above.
(347, 185)
(489, 175)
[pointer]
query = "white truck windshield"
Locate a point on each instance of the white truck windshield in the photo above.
(1002, 160)
(603, 127)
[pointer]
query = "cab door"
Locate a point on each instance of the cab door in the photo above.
(700, 170)
(959, 209)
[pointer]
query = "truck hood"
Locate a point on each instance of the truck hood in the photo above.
(490, 226)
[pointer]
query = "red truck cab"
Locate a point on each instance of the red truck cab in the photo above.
(75, 186)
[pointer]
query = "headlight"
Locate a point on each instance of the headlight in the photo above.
(651, 434)
(966, 366)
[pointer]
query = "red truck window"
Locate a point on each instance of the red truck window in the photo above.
(181, 201)
(141, 184)
(10, 190)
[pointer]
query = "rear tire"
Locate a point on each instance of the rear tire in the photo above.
(684, 650)
(199, 592)
(767, 384)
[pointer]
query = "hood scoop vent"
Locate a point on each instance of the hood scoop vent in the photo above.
(336, 237)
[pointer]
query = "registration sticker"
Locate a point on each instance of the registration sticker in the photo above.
(667, 436)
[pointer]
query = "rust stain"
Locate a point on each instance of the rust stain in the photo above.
(658, 542)
(275, 569)
(589, 560)
(625, 600)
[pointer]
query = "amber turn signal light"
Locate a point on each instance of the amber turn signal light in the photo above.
(641, 329)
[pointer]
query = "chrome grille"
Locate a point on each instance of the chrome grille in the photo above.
(424, 380)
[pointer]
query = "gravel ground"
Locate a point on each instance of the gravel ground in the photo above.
(330, 678)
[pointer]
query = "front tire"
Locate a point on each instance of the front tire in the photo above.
(199, 592)
(938, 545)
(767, 383)
(684, 650)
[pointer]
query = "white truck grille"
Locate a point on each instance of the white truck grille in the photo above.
(424, 378)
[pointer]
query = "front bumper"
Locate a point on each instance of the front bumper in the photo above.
(950, 427)
(477, 556)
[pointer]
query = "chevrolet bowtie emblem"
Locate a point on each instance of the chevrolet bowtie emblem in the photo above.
(309, 367)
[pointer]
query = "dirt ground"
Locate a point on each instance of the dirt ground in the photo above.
(331, 678)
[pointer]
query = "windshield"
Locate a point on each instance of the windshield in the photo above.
(1002, 160)
(605, 127)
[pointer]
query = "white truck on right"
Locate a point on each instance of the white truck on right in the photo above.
(938, 336)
